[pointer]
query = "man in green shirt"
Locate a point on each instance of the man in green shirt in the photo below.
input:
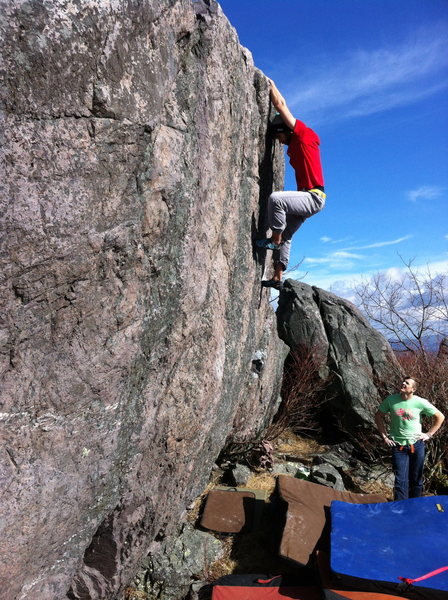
(406, 439)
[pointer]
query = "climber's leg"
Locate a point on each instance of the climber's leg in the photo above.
(287, 211)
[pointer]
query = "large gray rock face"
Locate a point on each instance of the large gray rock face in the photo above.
(347, 350)
(134, 163)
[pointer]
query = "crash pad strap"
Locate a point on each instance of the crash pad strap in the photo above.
(426, 576)
(268, 580)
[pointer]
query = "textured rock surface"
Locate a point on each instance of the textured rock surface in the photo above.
(134, 165)
(345, 345)
(327, 475)
(169, 575)
(240, 474)
(357, 474)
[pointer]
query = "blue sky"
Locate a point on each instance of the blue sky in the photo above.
(371, 77)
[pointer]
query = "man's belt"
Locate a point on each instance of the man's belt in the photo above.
(318, 192)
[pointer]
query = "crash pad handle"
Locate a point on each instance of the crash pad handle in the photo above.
(426, 576)
(269, 580)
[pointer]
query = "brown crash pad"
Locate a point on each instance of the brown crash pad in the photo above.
(231, 510)
(307, 526)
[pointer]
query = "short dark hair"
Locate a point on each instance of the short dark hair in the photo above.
(277, 125)
(416, 382)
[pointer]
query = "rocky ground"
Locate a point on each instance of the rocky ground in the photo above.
(185, 569)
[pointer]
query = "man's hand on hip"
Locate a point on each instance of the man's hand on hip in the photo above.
(388, 441)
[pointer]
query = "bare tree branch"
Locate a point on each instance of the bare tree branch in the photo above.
(410, 311)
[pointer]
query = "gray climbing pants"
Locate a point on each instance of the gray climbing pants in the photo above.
(286, 213)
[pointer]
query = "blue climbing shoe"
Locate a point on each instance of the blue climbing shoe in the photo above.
(267, 244)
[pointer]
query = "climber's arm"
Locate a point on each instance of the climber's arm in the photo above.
(280, 104)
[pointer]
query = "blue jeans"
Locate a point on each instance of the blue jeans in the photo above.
(408, 469)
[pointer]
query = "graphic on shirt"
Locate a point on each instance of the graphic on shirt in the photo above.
(406, 415)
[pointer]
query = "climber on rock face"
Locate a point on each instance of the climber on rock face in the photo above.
(288, 210)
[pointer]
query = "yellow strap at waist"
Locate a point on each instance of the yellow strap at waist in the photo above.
(319, 192)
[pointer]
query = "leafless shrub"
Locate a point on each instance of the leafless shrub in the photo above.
(410, 310)
(304, 391)
(294, 270)
(261, 456)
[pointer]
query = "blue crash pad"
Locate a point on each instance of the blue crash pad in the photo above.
(385, 541)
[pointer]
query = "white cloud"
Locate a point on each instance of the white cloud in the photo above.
(394, 273)
(344, 260)
(344, 282)
(368, 82)
(316, 261)
(341, 283)
(339, 259)
(343, 254)
(328, 240)
(342, 269)
(439, 267)
(425, 192)
(381, 244)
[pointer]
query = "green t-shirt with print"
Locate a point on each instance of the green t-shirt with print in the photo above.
(405, 423)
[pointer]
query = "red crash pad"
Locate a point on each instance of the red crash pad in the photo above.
(263, 587)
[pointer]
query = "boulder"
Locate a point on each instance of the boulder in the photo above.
(340, 456)
(358, 474)
(327, 475)
(349, 353)
(135, 341)
(169, 574)
(240, 475)
(296, 469)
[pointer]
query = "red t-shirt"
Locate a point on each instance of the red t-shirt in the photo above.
(304, 157)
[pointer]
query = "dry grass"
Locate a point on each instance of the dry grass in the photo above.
(133, 594)
(252, 552)
(222, 566)
(262, 481)
(240, 550)
(375, 487)
(292, 445)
